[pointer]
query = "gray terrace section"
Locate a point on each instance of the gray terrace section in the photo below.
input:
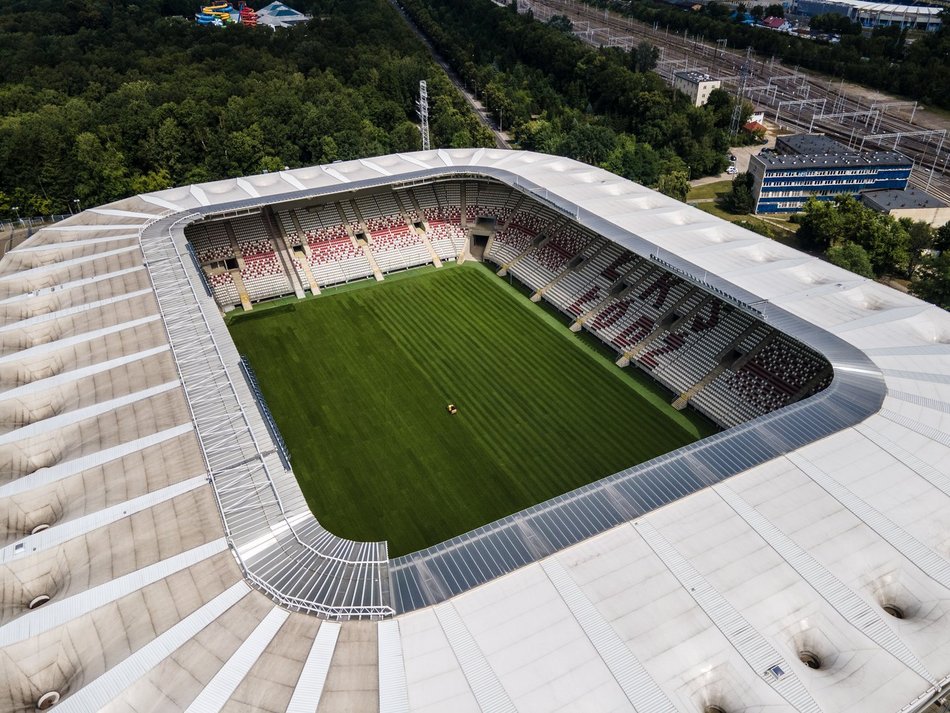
(889, 199)
(285, 552)
(809, 144)
(820, 151)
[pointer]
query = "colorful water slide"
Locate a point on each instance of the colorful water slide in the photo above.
(220, 13)
(220, 10)
(248, 16)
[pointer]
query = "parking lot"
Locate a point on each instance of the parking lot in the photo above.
(742, 154)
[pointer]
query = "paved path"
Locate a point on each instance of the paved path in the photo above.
(742, 154)
(501, 138)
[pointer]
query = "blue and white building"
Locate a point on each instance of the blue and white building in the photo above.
(809, 165)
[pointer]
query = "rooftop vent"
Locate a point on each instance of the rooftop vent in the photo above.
(894, 610)
(809, 659)
(47, 700)
(38, 601)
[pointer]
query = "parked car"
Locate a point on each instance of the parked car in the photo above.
(732, 158)
(732, 169)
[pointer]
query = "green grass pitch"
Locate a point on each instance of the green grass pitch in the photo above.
(358, 381)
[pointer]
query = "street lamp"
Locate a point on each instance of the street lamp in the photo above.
(78, 207)
(16, 209)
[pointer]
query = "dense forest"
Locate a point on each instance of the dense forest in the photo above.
(559, 95)
(913, 65)
(100, 99)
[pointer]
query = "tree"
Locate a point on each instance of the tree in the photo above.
(932, 280)
(828, 224)
(561, 23)
(539, 135)
(637, 161)
(406, 137)
(646, 57)
(920, 240)
(775, 10)
(884, 238)
(739, 200)
(498, 100)
(588, 143)
(821, 225)
(716, 10)
(101, 173)
(675, 185)
(833, 22)
(720, 104)
(942, 238)
(758, 12)
(851, 257)
(756, 227)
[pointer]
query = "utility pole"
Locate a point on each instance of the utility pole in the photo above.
(737, 109)
(422, 107)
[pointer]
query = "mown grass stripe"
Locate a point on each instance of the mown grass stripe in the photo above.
(358, 381)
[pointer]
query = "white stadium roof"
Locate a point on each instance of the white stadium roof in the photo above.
(120, 394)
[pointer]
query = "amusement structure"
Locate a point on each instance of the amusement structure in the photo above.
(223, 13)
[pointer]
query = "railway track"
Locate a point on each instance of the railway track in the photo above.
(791, 98)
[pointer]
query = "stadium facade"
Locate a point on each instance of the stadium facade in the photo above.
(159, 554)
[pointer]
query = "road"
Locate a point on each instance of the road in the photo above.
(501, 139)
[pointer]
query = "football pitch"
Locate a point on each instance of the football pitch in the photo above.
(359, 380)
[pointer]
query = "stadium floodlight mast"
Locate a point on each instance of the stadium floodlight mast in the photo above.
(422, 107)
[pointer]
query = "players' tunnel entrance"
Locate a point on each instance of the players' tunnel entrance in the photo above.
(479, 242)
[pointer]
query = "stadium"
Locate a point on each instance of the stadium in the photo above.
(778, 537)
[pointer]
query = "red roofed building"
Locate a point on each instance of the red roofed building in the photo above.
(777, 23)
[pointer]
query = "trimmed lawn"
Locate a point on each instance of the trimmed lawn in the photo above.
(709, 190)
(359, 380)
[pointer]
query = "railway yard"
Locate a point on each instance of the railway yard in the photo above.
(792, 99)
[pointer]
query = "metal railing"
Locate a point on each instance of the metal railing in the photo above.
(703, 285)
(251, 377)
(280, 548)
(37, 221)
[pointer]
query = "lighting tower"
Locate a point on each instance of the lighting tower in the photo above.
(422, 108)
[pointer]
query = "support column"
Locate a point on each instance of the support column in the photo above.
(377, 273)
(279, 243)
(242, 291)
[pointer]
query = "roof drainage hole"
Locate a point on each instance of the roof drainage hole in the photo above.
(47, 700)
(714, 709)
(809, 659)
(39, 528)
(894, 610)
(38, 601)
